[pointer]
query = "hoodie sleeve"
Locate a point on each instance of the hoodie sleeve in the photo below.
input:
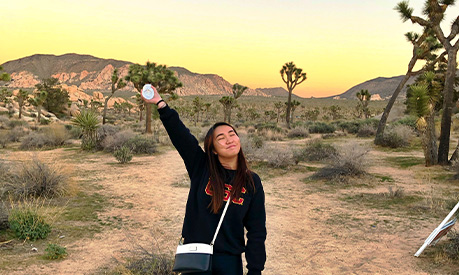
(255, 223)
(186, 144)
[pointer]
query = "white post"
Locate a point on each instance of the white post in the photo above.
(435, 232)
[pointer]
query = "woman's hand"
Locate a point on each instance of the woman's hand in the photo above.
(156, 98)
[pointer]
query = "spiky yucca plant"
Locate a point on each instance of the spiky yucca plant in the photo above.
(88, 122)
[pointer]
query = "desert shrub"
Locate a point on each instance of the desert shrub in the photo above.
(13, 123)
(36, 179)
(452, 247)
(27, 224)
(269, 126)
(277, 157)
(321, 128)
(150, 263)
(15, 134)
(407, 121)
(142, 145)
(350, 161)
(74, 132)
(123, 154)
(397, 193)
(56, 133)
(106, 130)
(366, 130)
(257, 141)
(298, 133)
(54, 252)
(111, 142)
(34, 140)
(3, 216)
(315, 151)
(44, 121)
(352, 127)
(4, 120)
(269, 134)
(4, 140)
(397, 136)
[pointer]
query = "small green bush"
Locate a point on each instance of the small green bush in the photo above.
(54, 252)
(269, 126)
(123, 154)
(352, 127)
(28, 225)
(321, 128)
(407, 121)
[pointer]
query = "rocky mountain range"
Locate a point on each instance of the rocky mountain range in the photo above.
(85, 73)
(380, 88)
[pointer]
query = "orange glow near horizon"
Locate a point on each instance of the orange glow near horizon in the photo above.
(337, 44)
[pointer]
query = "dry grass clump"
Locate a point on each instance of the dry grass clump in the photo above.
(273, 156)
(50, 136)
(397, 136)
(452, 247)
(113, 141)
(298, 133)
(35, 179)
(350, 161)
(366, 130)
(3, 216)
(137, 144)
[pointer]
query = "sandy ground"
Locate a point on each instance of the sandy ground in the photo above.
(309, 231)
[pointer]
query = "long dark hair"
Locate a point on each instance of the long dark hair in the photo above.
(217, 172)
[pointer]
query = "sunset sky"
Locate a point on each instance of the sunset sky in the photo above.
(338, 43)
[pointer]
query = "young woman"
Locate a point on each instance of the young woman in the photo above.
(218, 173)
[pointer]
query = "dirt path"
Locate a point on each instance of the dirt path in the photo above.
(309, 231)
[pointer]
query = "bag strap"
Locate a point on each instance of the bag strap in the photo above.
(220, 222)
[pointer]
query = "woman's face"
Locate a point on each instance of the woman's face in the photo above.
(226, 142)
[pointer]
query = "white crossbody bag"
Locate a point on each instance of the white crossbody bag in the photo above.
(197, 257)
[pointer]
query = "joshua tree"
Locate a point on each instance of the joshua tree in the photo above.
(22, 98)
(435, 10)
(163, 79)
(198, 106)
(57, 98)
(37, 101)
(292, 76)
(293, 105)
(229, 102)
(279, 106)
(422, 99)
(364, 98)
(423, 47)
(117, 84)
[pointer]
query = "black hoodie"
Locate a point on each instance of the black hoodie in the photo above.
(200, 223)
